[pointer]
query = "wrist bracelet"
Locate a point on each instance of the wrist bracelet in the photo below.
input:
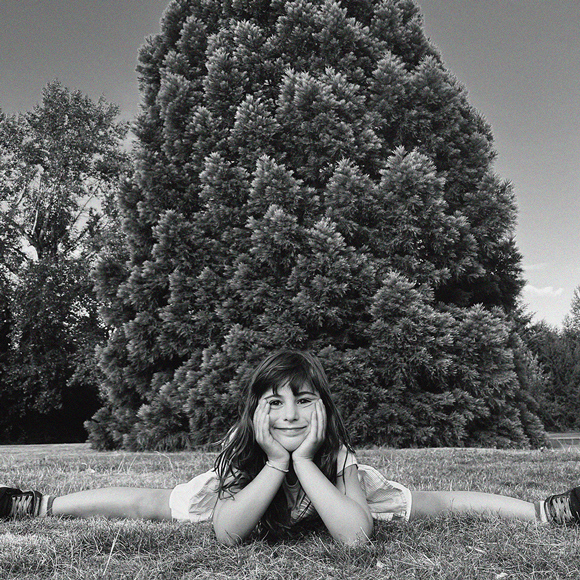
(276, 467)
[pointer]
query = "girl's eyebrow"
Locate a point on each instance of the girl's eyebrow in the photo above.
(299, 394)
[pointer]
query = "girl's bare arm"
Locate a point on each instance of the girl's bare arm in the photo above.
(235, 517)
(344, 511)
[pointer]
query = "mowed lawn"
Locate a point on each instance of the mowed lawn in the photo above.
(447, 547)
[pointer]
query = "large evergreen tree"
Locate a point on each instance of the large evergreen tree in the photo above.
(310, 175)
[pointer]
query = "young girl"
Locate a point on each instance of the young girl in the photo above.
(287, 461)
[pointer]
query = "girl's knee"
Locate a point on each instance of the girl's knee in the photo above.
(428, 503)
(152, 504)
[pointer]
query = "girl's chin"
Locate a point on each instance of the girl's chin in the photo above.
(290, 444)
(290, 448)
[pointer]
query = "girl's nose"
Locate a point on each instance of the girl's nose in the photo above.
(291, 412)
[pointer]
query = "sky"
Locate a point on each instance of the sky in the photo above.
(519, 61)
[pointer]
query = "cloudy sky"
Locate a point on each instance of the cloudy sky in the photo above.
(518, 59)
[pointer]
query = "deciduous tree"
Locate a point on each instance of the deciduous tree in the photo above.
(60, 166)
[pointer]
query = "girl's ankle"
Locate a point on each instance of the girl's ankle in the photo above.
(46, 506)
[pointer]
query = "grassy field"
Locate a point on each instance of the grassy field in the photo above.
(447, 547)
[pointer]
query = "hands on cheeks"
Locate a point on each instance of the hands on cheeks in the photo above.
(315, 435)
(274, 451)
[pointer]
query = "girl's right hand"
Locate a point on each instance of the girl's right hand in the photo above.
(272, 448)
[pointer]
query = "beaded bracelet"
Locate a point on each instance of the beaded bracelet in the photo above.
(276, 467)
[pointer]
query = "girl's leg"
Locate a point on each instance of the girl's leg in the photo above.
(432, 503)
(115, 502)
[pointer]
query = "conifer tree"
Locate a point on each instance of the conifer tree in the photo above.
(572, 320)
(310, 175)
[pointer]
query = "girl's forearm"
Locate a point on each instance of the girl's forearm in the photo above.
(235, 518)
(345, 519)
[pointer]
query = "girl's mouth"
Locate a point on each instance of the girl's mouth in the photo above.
(290, 430)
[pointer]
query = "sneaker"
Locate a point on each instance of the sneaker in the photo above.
(564, 508)
(18, 504)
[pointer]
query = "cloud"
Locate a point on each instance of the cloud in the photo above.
(535, 267)
(548, 291)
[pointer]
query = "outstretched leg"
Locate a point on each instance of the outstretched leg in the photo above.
(114, 502)
(433, 503)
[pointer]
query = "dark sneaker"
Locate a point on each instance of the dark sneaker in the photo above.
(18, 504)
(564, 508)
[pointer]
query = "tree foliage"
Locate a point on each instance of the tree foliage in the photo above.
(558, 353)
(572, 320)
(309, 174)
(60, 166)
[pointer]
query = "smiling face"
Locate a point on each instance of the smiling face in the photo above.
(290, 414)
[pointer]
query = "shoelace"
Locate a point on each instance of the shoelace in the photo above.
(559, 507)
(21, 506)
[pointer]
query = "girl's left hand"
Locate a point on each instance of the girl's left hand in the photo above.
(315, 435)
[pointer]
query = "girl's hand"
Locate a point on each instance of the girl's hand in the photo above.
(272, 448)
(315, 435)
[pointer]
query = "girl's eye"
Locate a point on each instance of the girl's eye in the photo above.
(305, 401)
(275, 403)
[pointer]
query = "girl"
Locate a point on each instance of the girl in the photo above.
(287, 461)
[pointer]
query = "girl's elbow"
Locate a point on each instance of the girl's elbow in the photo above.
(223, 535)
(366, 533)
(228, 540)
(366, 528)
(362, 535)
(359, 539)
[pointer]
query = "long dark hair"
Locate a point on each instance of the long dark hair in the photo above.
(241, 458)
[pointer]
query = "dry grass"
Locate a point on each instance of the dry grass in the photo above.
(464, 548)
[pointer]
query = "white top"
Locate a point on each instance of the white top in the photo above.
(195, 500)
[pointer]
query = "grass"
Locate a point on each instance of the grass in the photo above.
(442, 548)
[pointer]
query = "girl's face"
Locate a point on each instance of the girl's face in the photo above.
(290, 414)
